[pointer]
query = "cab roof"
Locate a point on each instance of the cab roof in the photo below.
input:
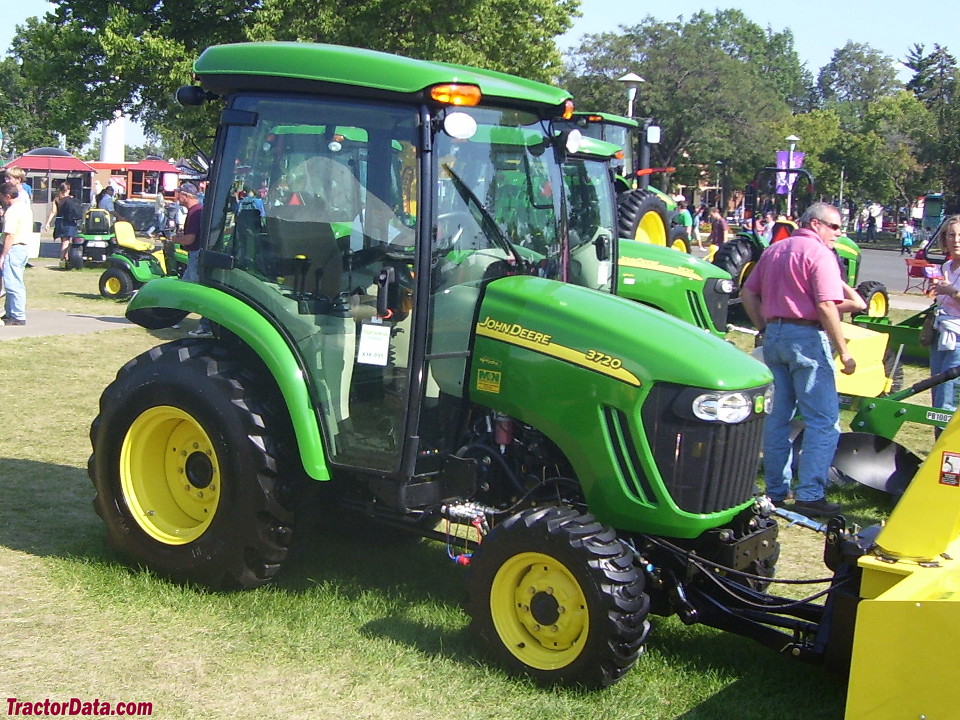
(317, 67)
(607, 118)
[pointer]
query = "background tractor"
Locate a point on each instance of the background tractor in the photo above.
(740, 254)
(591, 461)
(644, 213)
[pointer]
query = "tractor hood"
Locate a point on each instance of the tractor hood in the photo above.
(665, 261)
(611, 336)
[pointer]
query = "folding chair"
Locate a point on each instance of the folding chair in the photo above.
(917, 277)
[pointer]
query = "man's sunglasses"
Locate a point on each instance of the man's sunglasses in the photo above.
(832, 226)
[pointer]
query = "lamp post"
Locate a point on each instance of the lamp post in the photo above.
(792, 140)
(632, 82)
(719, 164)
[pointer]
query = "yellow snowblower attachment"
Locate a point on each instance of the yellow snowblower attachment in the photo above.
(906, 645)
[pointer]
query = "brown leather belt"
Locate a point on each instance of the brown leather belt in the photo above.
(794, 321)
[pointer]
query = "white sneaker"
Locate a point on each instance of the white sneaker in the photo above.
(200, 333)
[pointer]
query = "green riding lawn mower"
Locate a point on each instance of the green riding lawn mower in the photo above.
(135, 262)
(385, 338)
(94, 241)
(740, 254)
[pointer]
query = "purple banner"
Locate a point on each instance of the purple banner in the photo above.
(787, 160)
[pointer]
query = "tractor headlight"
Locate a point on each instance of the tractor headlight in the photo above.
(725, 407)
(725, 286)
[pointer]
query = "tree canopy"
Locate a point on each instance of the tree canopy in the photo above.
(93, 58)
(723, 88)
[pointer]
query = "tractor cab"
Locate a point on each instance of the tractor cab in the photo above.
(385, 217)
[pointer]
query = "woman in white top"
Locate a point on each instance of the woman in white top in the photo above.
(945, 350)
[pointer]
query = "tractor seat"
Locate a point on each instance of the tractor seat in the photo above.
(782, 229)
(126, 237)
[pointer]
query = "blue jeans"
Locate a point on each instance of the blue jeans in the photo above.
(941, 360)
(15, 303)
(802, 365)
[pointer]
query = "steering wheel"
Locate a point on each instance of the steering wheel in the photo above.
(456, 218)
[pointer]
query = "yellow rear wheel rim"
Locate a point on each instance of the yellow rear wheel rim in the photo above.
(170, 475)
(112, 286)
(653, 230)
(539, 611)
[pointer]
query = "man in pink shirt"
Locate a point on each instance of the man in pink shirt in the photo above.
(795, 296)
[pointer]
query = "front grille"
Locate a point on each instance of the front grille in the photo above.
(706, 467)
(718, 305)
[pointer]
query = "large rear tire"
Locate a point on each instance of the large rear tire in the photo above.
(737, 256)
(642, 216)
(186, 471)
(555, 595)
(75, 257)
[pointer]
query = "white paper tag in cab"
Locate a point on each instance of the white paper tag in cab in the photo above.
(374, 347)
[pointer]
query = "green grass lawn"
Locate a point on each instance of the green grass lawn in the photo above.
(357, 627)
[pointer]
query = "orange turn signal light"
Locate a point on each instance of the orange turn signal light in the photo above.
(456, 94)
(567, 109)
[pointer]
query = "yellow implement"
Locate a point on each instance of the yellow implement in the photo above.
(868, 347)
(906, 644)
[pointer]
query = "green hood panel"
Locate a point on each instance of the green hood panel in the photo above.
(335, 64)
(583, 327)
(666, 261)
(261, 336)
(566, 359)
(671, 281)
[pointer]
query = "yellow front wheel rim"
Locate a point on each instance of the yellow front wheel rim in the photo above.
(877, 306)
(170, 475)
(112, 286)
(539, 611)
(745, 272)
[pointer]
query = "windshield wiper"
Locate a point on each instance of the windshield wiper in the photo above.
(489, 226)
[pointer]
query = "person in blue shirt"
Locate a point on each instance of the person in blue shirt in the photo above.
(906, 237)
(105, 202)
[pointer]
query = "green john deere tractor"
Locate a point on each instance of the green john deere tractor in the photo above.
(679, 284)
(644, 213)
(382, 335)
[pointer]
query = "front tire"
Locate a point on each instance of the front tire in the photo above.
(678, 239)
(738, 257)
(555, 595)
(875, 295)
(185, 468)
